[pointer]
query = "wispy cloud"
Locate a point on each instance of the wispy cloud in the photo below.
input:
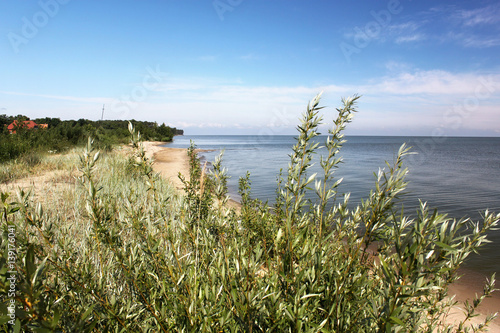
(410, 38)
(474, 40)
(436, 83)
(59, 97)
(402, 80)
(479, 16)
(470, 28)
(406, 27)
(406, 32)
(398, 66)
(250, 57)
(398, 32)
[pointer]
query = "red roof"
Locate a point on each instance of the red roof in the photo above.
(29, 124)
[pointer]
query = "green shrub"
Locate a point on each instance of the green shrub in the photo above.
(141, 258)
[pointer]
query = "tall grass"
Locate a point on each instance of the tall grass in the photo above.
(128, 253)
(36, 164)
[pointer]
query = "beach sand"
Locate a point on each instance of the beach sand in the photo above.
(470, 284)
(168, 162)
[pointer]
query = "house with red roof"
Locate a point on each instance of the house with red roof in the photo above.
(28, 124)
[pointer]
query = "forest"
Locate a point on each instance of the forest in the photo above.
(60, 135)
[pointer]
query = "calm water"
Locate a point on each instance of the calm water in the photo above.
(459, 176)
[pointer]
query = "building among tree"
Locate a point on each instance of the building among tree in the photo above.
(28, 124)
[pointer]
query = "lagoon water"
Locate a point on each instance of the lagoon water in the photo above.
(459, 176)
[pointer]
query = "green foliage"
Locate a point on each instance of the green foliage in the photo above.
(256, 218)
(139, 257)
(198, 188)
(61, 135)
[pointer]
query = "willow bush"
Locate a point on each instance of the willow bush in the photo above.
(139, 257)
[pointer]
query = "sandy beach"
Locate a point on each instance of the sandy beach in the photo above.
(170, 161)
(470, 284)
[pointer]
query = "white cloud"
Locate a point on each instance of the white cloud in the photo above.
(442, 24)
(479, 16)
(478, 41)
(59, 97)
(407, 32)
(471, 28)
(406, 27)
(397, 32)
(250, 57)
(398, 67)
(410, 38)
(225, 92)
(405, 98)
(434, 82)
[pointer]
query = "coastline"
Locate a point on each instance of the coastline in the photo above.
(170, 161)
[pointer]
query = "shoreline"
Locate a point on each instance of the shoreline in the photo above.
(470, 284)
(170, 161)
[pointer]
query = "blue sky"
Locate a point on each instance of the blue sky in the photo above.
(251, 66)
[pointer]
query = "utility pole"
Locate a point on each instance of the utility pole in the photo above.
(102, 115)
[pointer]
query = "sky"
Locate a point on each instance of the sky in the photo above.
(427, 68)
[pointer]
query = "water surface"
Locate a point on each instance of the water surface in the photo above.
(459, 176)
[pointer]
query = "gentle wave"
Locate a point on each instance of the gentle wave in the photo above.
(459, 176)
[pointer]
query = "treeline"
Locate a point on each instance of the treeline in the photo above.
(63, 134)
